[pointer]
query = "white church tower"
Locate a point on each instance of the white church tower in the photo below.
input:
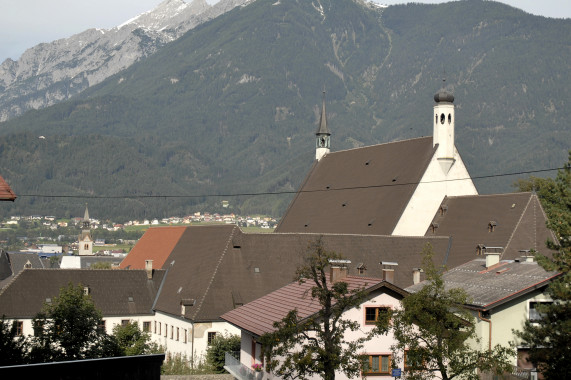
(443, 130)
(446, 174)
(322, 140)
(85, 241)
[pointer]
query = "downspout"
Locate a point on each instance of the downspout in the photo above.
(489, 328)
(192, 347)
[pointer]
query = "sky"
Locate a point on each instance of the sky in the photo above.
(26, 23)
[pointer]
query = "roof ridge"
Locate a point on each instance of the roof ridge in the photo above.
(385, 143)
(516, 227)
(215, 272)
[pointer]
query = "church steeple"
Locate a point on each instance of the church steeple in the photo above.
(85, 241)
(443, 131)
(322, 140)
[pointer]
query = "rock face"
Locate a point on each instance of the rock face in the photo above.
(52, 72)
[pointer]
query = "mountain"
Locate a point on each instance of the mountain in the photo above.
(231, 107)
(49, 73)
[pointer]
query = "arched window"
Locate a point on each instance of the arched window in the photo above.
(442, 118)
(449, 118)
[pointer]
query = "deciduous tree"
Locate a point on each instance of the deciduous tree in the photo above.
(133, 341)
(300, 348)
(548, 339)
(68, 329)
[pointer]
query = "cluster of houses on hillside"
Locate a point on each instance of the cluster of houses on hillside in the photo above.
(378, 206)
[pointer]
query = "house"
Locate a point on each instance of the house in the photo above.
(121, 296)
(257, 318)
(503, 295)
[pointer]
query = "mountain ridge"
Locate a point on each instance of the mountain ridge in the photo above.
(232, 106)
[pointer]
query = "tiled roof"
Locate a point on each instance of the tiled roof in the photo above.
(499, 284)
(259, 315)
(156, 244)
(359, 191)
(6, 193)
(221, 267)
(518, 224)
(111, 290)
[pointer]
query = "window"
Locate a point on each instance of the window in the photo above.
(155, 327)
(124, 322)
(101, 326)
(177, 334)
(378, 365)
(211, 337)
(38, 328)
(166, 329)
(172, 331)
(372, 314)
(534, 314)
(159, 329)
(19, 327)
(147, 326)
(184, 335)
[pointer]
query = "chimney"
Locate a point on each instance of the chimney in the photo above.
(149, 268)
(416, 275)
(339, 269)
(492, 258)
(388, 270)
(529, 258)
(389, 275)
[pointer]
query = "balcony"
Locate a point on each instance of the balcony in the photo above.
(240, 371)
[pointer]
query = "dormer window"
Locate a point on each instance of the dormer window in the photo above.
(361, 268)
(443, 209)
(433, 227)
(491, 226)
(480, 249)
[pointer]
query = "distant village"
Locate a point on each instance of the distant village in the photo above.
(43, 249)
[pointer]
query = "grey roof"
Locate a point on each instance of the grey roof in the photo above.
(259, 315)
(489, 288)
(518, 224)
(221, 267)
(12, 263)
(114, 292)
(359, 191)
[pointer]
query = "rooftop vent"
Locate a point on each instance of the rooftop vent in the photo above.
(443, 209)
(492, 225)
(361, 268)
(433, 227)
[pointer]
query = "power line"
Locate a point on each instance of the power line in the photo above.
(280, 192)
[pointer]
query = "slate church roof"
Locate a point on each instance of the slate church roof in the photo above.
(359, 191)
(515, 222)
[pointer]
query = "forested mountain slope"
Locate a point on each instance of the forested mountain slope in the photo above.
(232, 106)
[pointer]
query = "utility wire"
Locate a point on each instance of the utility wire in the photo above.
(281, 192)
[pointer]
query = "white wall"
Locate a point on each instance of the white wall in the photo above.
(433, 187)
(195, 345)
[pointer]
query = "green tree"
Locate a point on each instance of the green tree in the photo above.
(548, 339)
(435, 330)
(133, 341)
(13, 348)
(216, 352)
(301, 348)
(68, 329)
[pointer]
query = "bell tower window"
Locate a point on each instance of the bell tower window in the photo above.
(442, 118)
(449, 118)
